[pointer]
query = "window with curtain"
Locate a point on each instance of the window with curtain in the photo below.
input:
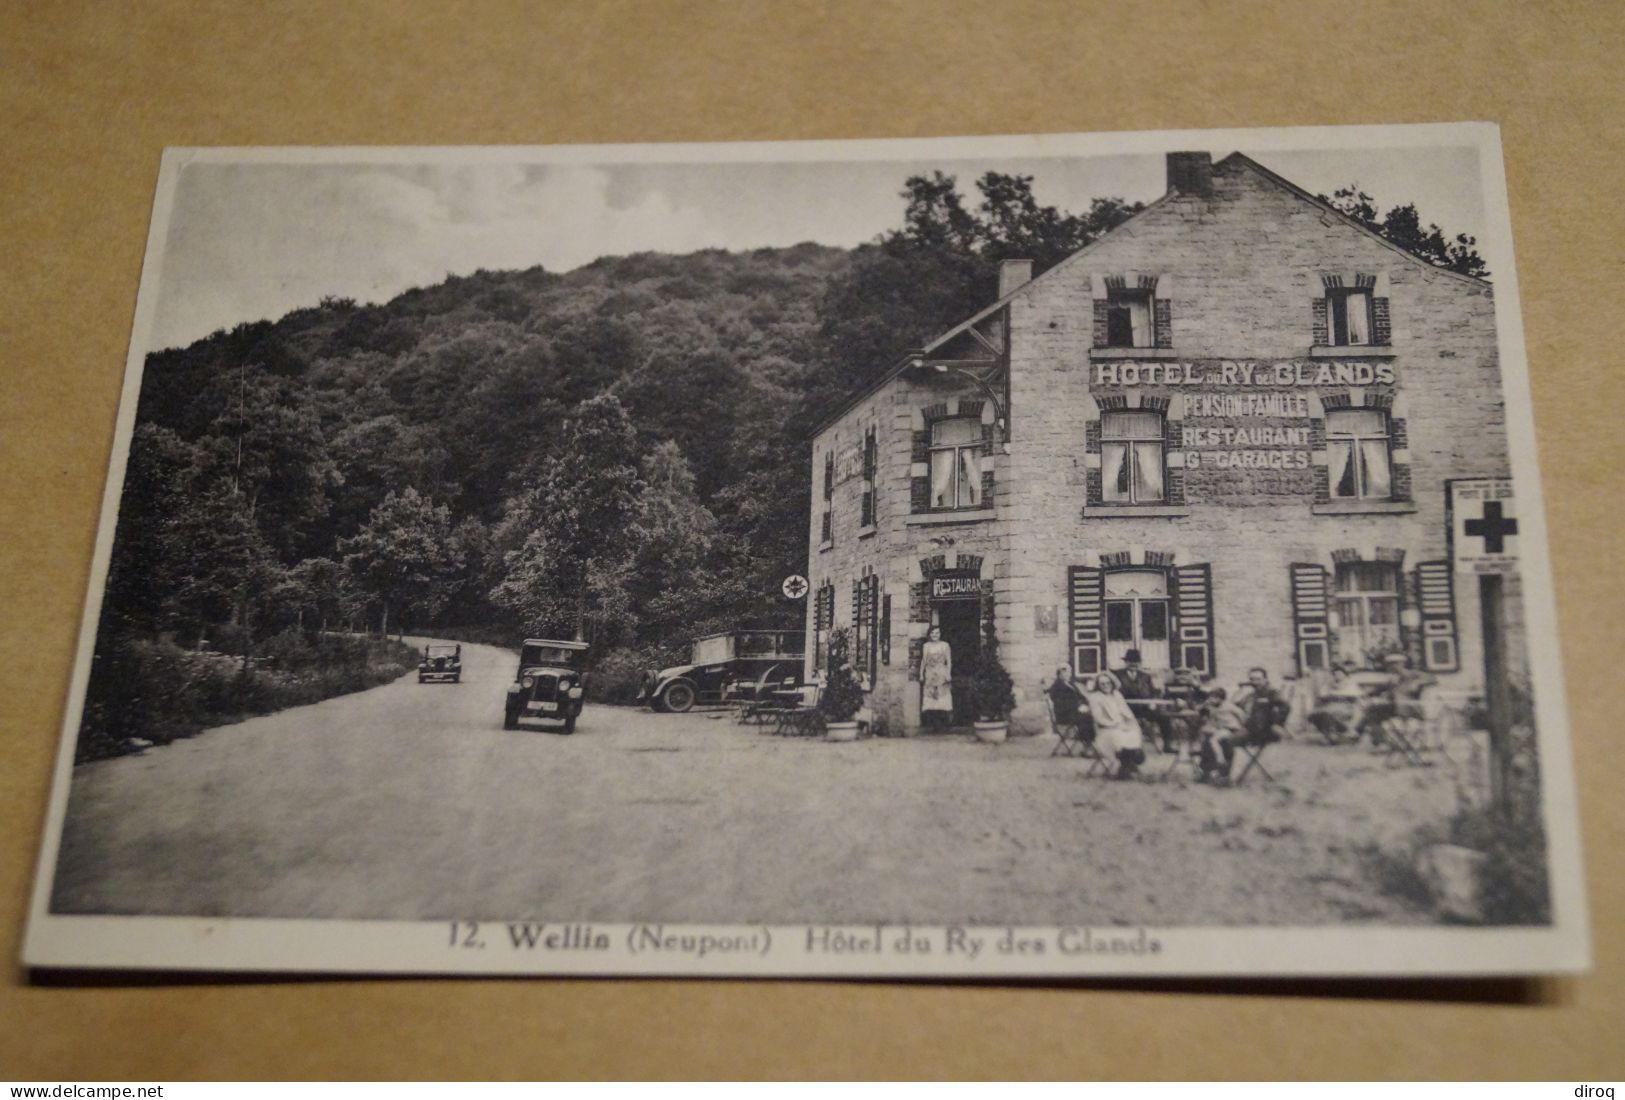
(1367, 604)
(1130, 319)
(1349, 313)
(1131, 458)
(956, 463)
(1357, 458)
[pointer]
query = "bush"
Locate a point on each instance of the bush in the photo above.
(841, 698)
(617, 676)
(992, 689)
(146, 690)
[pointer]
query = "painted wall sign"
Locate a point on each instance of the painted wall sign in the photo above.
(1245, 372)
(848, 463)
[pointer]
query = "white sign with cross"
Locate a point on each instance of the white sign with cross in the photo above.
(1483, 525)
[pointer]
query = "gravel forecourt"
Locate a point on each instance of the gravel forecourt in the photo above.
(410, 802)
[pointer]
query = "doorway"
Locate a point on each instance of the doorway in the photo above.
(1137, 617)
(961, 624)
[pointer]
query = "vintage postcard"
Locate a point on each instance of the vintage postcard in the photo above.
(995, 557)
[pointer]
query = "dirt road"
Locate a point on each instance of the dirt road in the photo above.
(410, 802)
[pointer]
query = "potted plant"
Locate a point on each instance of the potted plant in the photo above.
(992, 691)
(842, 697)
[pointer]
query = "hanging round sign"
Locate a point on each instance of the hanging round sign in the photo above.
(795, 586)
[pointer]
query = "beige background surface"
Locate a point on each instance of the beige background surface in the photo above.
(92, 92)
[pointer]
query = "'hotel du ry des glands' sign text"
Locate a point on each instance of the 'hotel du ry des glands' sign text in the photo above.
(1245, 372)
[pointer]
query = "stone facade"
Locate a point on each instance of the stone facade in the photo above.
(1243, 277)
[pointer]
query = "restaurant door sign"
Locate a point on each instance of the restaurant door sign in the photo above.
(956, 585)
(1483, 520)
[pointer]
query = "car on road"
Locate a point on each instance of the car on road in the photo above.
(549, 685)
(441, 663)
(731, 667)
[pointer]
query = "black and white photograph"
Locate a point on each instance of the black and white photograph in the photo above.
(976, 557)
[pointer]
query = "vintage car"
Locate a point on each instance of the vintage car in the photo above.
(726, 668)
(549, 684)
(441, 663)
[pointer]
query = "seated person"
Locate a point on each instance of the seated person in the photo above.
(1116, 728)
(1399, 697)
(1336, 713)
(1137, 683)
(1222, 725)
(1071, 708)
(1265, 708)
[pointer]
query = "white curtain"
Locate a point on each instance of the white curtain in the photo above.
(942, 479)
(1114, 475)
(1338, 454)
(1147, 472)
(1140, 321)
(970, 477)
(1358, 306)
(1374, 460)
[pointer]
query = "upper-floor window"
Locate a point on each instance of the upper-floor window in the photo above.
(869, 470)
(956, 463)
(1357, 457)
(1348, 315)
(1130, 318)
(1131, 458)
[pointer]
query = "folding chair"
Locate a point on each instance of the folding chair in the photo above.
(1402, 742)
(1254, 749)
(1071, 742)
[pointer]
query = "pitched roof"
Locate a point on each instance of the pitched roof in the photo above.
(1234, 158)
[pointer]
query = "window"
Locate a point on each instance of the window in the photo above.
(956, 466)
(1367, 606)
(869, 460)
(1348, 312)
(1131, 451)
(1357, 459)
(826, 533)
(1130, 319)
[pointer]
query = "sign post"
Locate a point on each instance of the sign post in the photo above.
(1483, 541)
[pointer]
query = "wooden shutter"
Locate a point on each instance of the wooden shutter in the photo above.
(885, 629)
(1085, 591)
(1436, 599)
(871, 612)
(1311, 617)
(1193, 604)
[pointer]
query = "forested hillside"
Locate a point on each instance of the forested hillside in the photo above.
(617, 452)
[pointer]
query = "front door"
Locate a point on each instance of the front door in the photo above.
(1137, 617)
(961, 625)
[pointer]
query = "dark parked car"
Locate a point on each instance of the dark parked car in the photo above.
(730, 667)
(549, 684)
(441, 663)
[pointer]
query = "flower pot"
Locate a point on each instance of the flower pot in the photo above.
(840, 731)
(993, 733)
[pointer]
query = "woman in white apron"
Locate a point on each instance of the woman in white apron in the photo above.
(936, 680)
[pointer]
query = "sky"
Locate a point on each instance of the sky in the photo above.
(253, 240)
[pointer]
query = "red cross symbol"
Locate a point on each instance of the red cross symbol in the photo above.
(1494, 528)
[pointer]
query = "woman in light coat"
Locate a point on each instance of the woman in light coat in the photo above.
(1117, 730)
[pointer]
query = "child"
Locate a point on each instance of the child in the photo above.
(1223, 724)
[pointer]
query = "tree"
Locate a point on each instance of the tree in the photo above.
(1403, 226)
(573, 528)
(321, 587)
(670, 583)
(224, 570)
(404, 557)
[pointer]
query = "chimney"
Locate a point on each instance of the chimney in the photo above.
(1013, 274)
(1191, 174)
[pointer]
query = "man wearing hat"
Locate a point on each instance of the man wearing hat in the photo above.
(1136, 683)
(1401, 697)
